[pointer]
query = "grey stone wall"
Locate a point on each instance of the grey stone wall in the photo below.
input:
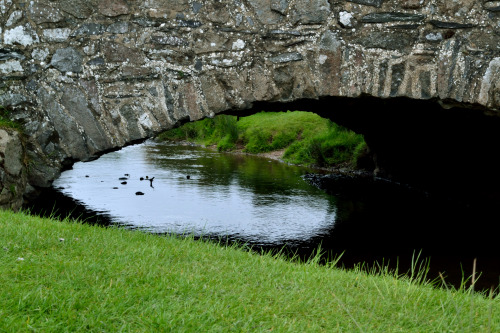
(89, 76)
(12, 170)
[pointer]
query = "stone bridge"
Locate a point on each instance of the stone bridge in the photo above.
(420, 78)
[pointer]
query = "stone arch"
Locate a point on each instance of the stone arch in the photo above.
(89, 78)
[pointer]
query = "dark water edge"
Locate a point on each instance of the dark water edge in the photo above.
(449, 230)
(51, 203)
(465, 233)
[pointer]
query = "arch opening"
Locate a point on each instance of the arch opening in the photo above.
(444, 150)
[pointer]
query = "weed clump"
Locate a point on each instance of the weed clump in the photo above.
(6, 121)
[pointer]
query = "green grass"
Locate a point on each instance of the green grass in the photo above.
(65, 276)
(6, 122)
(221, 131)
(307, 138)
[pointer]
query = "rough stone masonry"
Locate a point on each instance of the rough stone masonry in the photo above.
(89, 76)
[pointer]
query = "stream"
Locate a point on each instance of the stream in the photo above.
(271, 205)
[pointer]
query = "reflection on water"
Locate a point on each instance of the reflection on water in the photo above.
(252, 199)
(267, 203)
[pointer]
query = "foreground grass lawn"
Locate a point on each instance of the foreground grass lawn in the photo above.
(63, 276)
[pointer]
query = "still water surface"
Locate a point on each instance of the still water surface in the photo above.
(252, 199)
(268, 204)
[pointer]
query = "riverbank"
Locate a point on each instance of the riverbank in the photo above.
(298, 137)
(66, 276)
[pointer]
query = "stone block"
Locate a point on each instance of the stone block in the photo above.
(187, 99)
(279, 6)
(264, 13)
(387, 40)
(81, 9)
(424, 80)
(67, 60)
(236, 82)
(168, 8)
(329, 64)
(5, 6)
(6, 54)
(20, 35)
(412, 4)
(130, 114)
(13, 178)
(286, 57)
(57, 35)
(113, 7)
(398, 73)
(12, 152)
(391, 17)
(303, 81)
(169, 40)
(12, 99)
(92, 92)
(137, 73)
(450, 25)
(14, 18)
(10, 67)
(214, 94)
(346, 19)
(40, 54)
(310, 12)
(460, 8)
(41, 12)
(115, 52)
(89, 29)
(118, 28)
(61, 130)
(492, 6)
(97, 61)
(283, 80)
(76, 105)
(197, 7)
(262, 85)
(374, 3)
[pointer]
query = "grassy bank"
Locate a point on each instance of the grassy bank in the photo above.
(62, 276)
(307, 138)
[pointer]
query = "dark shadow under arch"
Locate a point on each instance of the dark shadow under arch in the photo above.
(449, 150)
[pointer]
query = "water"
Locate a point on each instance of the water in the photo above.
(251, 199)
(268, 204)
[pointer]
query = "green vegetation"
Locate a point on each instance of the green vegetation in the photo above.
(66, 276)
(6, 122)
(307, 138)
